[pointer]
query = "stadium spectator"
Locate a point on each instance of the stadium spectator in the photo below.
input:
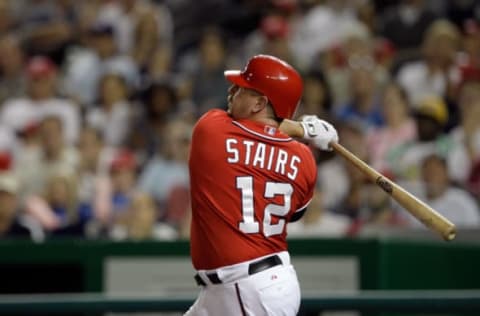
(430, 118)
(406, 23)
(322, 27)
(61, 196)
(141, 222)
(271, 38)
(435, 73)
(208, 82)
(436, 190)
(12, 68)
(12, 225)
(468, 59)
(382, 142)
(357, 50)
(159, 105)
(112, 116)
(41, 101)
(53, 154)
(133, 85)
(466, 136)
(165, 176)
(47, 27)
(86, 65)
(319, 222)
(140, 26)
(93, 178)
(317, 95)
(123, 177)
(8, 20)
(363, 106)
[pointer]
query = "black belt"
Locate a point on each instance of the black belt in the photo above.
(254, 267)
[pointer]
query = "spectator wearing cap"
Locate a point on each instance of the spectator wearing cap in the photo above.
(88, 64)
(41, 101)
(430, 116)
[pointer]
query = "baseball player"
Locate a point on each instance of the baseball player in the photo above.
(249, 179)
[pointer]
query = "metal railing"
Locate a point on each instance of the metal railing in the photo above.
(435, 301)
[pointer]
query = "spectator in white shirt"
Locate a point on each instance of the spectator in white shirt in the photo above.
(437, 191)
(86, 65)
(53, 155)
(41, 101)
(435, 73)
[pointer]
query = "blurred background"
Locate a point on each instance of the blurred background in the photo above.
(98, 99)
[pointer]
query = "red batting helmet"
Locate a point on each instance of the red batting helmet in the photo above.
(274, 78)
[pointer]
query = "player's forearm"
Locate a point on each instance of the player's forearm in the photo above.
(292, 128)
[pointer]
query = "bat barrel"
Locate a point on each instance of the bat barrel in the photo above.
(424, 213)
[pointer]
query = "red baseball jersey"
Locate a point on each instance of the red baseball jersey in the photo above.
(247, 180)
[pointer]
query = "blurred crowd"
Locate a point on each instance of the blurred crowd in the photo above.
(98, 99)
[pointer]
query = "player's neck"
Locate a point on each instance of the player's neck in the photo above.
(266, 116)
(266, 120)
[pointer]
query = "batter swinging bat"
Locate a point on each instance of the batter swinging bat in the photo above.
(428, 216)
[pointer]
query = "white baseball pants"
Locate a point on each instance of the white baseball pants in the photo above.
(272, 292)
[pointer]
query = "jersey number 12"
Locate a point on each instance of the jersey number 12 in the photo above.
(248, 224)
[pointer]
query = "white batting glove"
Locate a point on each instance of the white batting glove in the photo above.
(318, 132)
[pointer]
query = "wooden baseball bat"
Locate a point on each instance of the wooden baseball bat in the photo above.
(428, 216)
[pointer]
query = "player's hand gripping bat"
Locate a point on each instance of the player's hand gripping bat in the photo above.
(428, 216)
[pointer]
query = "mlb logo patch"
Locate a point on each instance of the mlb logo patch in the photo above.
(270, 130)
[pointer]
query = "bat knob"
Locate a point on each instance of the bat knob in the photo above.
(450, 234)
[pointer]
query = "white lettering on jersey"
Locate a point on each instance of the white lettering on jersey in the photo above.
(259, 156)
(281, 161)
(254, 154)
(270, 158)
(262, 156)
(234, 151)
(248, 148)
(294, 169)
